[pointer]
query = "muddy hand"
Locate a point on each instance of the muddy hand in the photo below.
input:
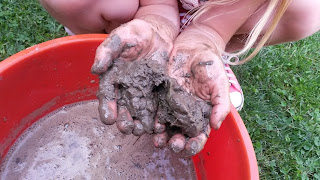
(136, 40)
(196, 65)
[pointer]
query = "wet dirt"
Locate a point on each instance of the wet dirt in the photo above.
(72, 143)
(146, 90)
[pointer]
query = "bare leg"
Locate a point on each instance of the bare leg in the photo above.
(301, 20)
(91, 16)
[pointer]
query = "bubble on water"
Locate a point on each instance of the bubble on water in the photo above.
(117, 147)
(66, 125)
(88, 149)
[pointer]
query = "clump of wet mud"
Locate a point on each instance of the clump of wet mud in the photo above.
(146, 90)
(181, 110)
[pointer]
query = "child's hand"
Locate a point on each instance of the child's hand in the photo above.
(196, 64)
(136, 40)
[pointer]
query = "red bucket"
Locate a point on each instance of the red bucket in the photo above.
(40, 79)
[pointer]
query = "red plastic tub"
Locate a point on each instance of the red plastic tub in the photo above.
(47, 76)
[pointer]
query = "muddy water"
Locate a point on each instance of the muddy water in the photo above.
(72, 143)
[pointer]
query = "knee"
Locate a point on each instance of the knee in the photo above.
(63, 6)
(301, 20)
(80, 16)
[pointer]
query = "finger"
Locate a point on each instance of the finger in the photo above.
(108, 50)
(196, 144)
(125, 122)
(138, 128)
(158, 127)
(220, 100)
(107, 99)
(148, 123)
(160, 140)
(108, 111)
(177, 142)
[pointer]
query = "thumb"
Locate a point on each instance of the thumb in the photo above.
(220, 100)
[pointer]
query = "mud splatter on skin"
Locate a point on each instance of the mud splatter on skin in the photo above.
(207, 63)
(114, 43)
(180, 59)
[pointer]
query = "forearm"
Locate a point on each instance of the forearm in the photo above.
(200, 34)
(163, 14)
(227, 19)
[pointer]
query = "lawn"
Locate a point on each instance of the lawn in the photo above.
(281, 112)
(281, 87)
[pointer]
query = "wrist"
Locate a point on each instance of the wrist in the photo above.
(205, 34)
(200, 37)
(164, 27)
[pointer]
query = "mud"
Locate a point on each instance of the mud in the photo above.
(72, 143)
(182, 111)
(145, 89)
(137, 82)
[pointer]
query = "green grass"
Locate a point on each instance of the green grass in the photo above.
(281, 88)
(24, 23)
(281, 111)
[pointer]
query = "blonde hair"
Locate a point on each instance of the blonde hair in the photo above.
(276, 7)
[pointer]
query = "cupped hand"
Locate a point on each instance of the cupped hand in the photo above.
(140, 40)
(196, 64)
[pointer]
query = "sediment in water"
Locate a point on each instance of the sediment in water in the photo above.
(72, 143)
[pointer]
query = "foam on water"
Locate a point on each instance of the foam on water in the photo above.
(72, 143)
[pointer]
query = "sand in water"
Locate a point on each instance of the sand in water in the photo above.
(72, 143)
